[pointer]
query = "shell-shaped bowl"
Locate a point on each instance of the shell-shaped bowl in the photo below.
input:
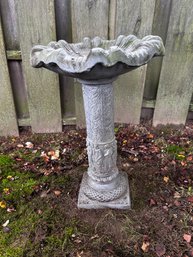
(94, 59)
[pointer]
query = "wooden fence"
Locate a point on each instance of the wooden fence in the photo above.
(161, 91)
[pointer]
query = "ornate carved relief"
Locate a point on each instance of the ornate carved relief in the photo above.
(102, 160)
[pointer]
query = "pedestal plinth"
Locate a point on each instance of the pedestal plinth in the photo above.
(102, 185)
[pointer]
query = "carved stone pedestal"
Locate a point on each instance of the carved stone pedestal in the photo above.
(92, 60)
(103, 185)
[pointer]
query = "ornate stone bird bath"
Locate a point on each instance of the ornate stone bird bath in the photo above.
(97, 63)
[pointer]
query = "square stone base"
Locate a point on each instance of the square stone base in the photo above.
(84, 202)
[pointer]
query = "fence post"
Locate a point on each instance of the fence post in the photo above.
(8, 120)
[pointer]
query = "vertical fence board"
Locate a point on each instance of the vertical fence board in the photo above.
(89, 18)
(64, 31)
(10, 25)
(12, 42)
(8, 122)
(176, 86)
(37, 26)
(160, 26)
(132, 17)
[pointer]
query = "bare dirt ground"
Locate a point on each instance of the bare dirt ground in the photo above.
(40, 175)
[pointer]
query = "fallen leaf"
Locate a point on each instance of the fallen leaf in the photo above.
(160, 249)
(145, 247)
(54, 154)
(152, 202)
(3, 204)
(181, 156)
(11, 209)
(150, 136)
(10, 178)
(177, 195)
(77, 241)
(189, 158)
(51, 153)
(18, 159)
(29, 145)
(6, 191)
(183, 163)
(166, 179)
(124, 142)
(94, 237)
(190, 199)
(45, 156)
(187, 238)
(126, 166)
(5, 224)
(44, 194)
(177, 203)
(57, 192)
(39, 212)
(20, 146)
(64, 150)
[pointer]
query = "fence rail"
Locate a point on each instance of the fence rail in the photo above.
(161, 91)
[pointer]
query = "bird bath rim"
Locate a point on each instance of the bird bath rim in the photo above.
(94, 59)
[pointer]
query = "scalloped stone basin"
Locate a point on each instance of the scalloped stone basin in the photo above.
(97, 63)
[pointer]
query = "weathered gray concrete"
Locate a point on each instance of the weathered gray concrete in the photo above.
(97, 63)
(103, 185)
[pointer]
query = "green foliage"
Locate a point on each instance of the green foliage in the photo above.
(21, 224)
(11, 252)
(174, 149)
(5, 161)
(6, 164)
(20, 186)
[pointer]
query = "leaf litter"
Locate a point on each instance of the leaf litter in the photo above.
(159, 163)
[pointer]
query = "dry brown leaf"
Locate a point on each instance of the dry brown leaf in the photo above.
(177, 195)
(189, 158)
(150, 136)
(145, 247)
(152, 202)
(187, 238)
(20, 146)
(6, 223)
(29, 145)
(57, 192)
(190, 199)
(166, 179)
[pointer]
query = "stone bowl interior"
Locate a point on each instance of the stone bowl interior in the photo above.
(95, 59)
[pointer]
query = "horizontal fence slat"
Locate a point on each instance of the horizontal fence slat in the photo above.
(176, 86)
(13, 55)
(25, 122)
(132, 17)
(8, 121)
(37, 26)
